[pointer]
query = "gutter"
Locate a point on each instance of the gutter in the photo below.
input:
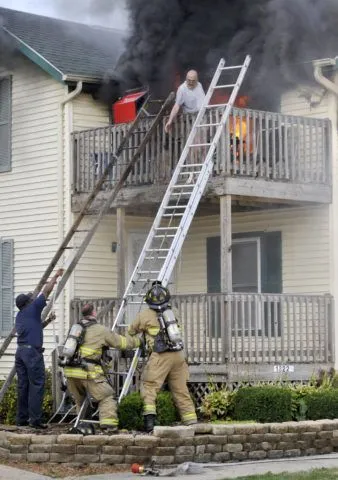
(76, 78)
(62, 169)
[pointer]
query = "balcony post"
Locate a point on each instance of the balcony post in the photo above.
(226, 241)
(121, 251)
(226, 276)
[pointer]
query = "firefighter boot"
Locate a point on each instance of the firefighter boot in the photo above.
(149, 422)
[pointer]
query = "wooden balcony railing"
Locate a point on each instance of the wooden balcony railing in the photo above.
(246, 328)
(254, 144)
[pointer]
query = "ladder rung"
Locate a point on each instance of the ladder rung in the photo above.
(157, 250)
(199, 144)
(148, 271)
(226, 86)
(232, 68)
(146, 280)
(166, 228)
(173, 207)
(208, 125)
(192, 165)
(217, 105)
(189, 173)
(179, 194)
(173, 215)
(155, 258)
(183, 185)
(164, 236)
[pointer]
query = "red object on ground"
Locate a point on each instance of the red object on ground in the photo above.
(136, 468)
(126, 109)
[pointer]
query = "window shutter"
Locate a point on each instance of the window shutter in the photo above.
(272, 262)
(214, 264)
(6, 286)
(5, 125)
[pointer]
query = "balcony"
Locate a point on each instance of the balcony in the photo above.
(230, 332)
(260, 154)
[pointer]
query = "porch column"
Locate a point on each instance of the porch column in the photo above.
(226, 276)
(121, 250)
(226, 241)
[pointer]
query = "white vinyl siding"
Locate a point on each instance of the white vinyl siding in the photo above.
(89, 113)
(5, 124)
(305, 251)
(95, 276)
(306, 102)
(30, 201)
(305, 247)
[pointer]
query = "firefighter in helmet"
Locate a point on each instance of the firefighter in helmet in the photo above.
(85, 373)
(160, 326)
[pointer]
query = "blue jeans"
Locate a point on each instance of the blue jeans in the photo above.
(30, 369)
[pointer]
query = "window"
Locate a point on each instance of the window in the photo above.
(256, 268)
(5, 124)
(6, 286)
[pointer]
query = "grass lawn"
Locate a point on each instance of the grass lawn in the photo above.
(318, 474)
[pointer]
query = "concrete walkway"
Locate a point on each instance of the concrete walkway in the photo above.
(224, 471)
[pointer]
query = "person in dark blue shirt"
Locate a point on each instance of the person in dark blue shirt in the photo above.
(29, 363)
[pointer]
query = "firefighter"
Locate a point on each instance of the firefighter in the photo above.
(86, 375)
(160, 326)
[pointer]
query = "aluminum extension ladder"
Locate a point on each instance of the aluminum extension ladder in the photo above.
(178, 207)
(47, 316)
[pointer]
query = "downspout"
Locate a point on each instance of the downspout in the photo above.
(318, 65)
(62, 205)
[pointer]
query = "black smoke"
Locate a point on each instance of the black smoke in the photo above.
(283, 37)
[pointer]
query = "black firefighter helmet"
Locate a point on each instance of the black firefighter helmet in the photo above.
(157, 296)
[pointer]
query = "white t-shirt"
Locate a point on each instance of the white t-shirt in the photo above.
(190, 99)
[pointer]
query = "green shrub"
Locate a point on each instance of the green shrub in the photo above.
(167, 413)
(263, 404)
(322, 404)
(130, 412)
(131, 408)
(299, 406)
(217, 404)
(8, 404)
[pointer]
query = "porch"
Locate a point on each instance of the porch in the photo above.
(238, 336)
(261, 154)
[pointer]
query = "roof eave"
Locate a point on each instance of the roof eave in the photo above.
(37, 58)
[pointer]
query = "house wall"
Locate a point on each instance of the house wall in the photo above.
(305, 247)
(325, 106)
(95, 275)
(305, 251)
(29, 199)
(306, 101)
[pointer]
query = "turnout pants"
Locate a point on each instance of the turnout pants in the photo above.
(30, 369)
(100, 390)
(171, 366)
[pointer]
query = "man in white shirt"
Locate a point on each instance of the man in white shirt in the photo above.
(189, 97)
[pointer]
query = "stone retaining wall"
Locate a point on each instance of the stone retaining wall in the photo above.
(174, 445)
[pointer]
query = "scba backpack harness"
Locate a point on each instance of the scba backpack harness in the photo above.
(70, 355)
(169, 337)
